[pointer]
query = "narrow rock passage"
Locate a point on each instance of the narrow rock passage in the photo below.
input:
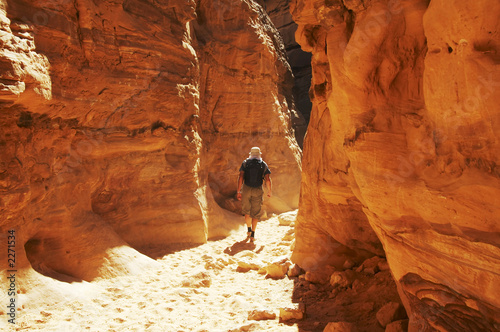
(227, 285)
(197, 289)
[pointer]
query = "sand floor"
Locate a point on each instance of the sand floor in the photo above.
(196, 289)
(203, 288)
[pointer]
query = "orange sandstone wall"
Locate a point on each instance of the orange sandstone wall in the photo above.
(245, 100)
(403, 147)
(117, 123)
(300, 61)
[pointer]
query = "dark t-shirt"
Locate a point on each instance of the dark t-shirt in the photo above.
(255, 170)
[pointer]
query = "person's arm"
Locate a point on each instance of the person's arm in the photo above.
(267, 179)
(240, 184)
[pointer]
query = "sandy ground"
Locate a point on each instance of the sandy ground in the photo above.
(196, 289)
(204, 289)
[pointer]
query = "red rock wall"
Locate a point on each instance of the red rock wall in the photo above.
(403, 143)
(246, 100)
(300, 61)
(114, 123)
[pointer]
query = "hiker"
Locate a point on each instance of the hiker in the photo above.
(253, 172)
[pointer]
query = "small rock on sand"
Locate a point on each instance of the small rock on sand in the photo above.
(295, 312)
(261, 314)
(278, 268)
(285, 219)
(295, 271)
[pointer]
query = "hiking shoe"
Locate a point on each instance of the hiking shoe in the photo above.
(252, 239)
(249, 234)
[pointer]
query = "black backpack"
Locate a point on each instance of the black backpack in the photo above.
(254, 172)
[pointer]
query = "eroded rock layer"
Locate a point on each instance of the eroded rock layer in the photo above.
(403, 143)
(246, 100)
(300, 61)
(115, 117)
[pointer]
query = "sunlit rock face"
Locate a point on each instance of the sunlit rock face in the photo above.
(246, 100)
(117, 115)
(404, 140)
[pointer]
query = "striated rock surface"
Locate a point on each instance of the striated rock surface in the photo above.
(246, 100)
(403, 146)
(125, 122)
(300, 61)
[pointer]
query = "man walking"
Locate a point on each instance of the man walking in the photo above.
(253, 172)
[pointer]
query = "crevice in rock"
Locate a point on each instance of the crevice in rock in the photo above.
(160, 124)
(25, 120)
(300, 61)
(80, 34)
(44, 255)
(212, 114)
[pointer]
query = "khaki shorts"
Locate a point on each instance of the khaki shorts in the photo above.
(251, 201)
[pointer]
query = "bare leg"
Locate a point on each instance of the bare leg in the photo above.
(248, 221)
(254, 224)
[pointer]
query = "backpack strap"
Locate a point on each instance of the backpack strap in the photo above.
(259, 161)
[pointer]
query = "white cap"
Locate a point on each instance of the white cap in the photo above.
(255, 152)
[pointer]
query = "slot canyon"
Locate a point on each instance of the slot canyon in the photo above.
(123, 124)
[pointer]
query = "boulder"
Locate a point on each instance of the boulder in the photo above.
(320, 276)
(248, 260)
(285, 219)
(397, 326)
(295, 312)
(371, 265)
(340, 327)
(342, 279)
(261, 314)
(348, 264)
(278, 269)
(390, 312)
(295, 271)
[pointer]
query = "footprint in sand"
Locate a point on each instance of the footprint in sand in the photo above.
(45, 314)
(113, 289)
(117, 293)
(196, 290)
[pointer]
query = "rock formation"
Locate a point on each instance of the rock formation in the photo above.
(403, 143)
(123, 120)
(300, 61)
(246, 100)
